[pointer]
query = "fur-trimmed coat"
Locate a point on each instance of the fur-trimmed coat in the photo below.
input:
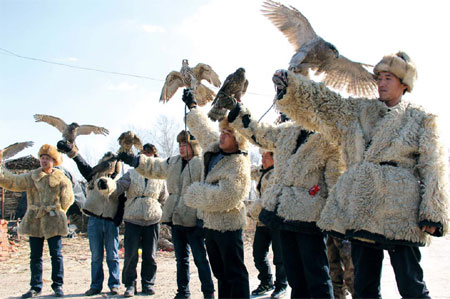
(48, 198)
(262, 178)
(144, 196)
(396, 180)
(301, 162)
(175, 210)
(221, 193)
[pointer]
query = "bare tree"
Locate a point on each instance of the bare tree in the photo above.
(164, 134)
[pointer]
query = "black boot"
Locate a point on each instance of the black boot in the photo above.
(130, 291)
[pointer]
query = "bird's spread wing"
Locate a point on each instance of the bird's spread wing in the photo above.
(13, 149)
(88, 129)
(291, 22)
(137, 143)
(205, 72)
(203, 95)
(344, 74)
(173, 82)
(51, 120)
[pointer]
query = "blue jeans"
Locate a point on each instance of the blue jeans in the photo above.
(191, 237)
(36, 247)
(103, 235)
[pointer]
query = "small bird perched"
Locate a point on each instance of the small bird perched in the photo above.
(313, 52)
(191, 78)
(232, 90)
(13, 149)
(71, 131)
(127, 140)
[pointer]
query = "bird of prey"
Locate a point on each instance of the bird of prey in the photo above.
(313, 52)
(127, 140)
(13, 149)
(232, 90)
(71, 131)
(191, 78)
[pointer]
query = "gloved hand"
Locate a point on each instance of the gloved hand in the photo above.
(102, 185)
(129, 159)
(280, 79)
(188, 98)
(234, 113)
(64, 146)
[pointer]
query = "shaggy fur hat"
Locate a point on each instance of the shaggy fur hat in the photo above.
(181, 137)
(401, 66)
(243, 144)
(150, 149)
(52, 151)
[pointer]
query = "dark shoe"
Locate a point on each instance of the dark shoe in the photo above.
(182, 296)
(148, 291)
(208, 296)
(262, 289)
(130, 291)
(114, 291)
(31, 293)
(58, 292)
(92, 292)
(279, 292)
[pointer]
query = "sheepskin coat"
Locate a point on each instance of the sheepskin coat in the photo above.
(221, 193)
(98, 203)
(48, 198)
(144, 196)
(262, 177)
(396, 179)
(175, 210)
(299, 167)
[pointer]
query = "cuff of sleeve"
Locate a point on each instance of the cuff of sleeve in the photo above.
(439, 227)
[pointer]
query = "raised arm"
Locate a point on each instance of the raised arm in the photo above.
(153, 168)
(201, 128)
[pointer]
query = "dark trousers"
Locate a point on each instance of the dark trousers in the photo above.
(184, 239)
(147, 237)
(306, 263)
(226, 255)
(405, 260)
(36, 248)
(264, 237)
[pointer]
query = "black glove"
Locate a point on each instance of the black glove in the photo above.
(188, 98)
(64, 146)
(102, 185)
(234, 113)
(280, 79)
(129, 159)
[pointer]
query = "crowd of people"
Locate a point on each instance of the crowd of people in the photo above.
(342, 181)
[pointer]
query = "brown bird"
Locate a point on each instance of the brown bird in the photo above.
(13, 149)
(71, 131)
(313, 52)
(127, 140)
(232, 90)
(191, 78)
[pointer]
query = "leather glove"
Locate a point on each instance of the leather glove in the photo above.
(102, 185)
(64, 146)
(280, 79)
(129, 159)
(234, 113)
(188, 98)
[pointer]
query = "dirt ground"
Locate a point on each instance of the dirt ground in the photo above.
(15, 273)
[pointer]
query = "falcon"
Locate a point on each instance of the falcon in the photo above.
(232, 90)
(316, 54)
(13, 149)
(191, 78)
(71, 131)
(127, 140)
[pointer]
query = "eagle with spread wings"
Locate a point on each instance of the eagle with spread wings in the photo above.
(14, 149)
(191, 78)
(127, 140)
(313, 52)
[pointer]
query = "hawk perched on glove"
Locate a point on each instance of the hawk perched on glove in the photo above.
(127, 140)
(313, 52)
(13, 149)
(191, 78)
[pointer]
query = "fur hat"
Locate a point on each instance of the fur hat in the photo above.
(150, 149)
(52, 151)
(401, 66)
(181, 137)
(243, 144)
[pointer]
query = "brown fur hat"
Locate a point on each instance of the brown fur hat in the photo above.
(52, 151)
(150, 148)
(243, 144)
(401, 66)
(181, 137)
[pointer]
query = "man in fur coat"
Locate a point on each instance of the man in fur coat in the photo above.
(394, 194)
(265, 236)
(103, 234)
(180, 172)
(49, 195)
(142, 214)
(306, 167)
(225, 182)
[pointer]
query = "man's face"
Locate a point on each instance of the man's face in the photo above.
(228, 141)
(390, 88)
(267, 160)
(185, 150)
(46, 162)
(148, 154)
